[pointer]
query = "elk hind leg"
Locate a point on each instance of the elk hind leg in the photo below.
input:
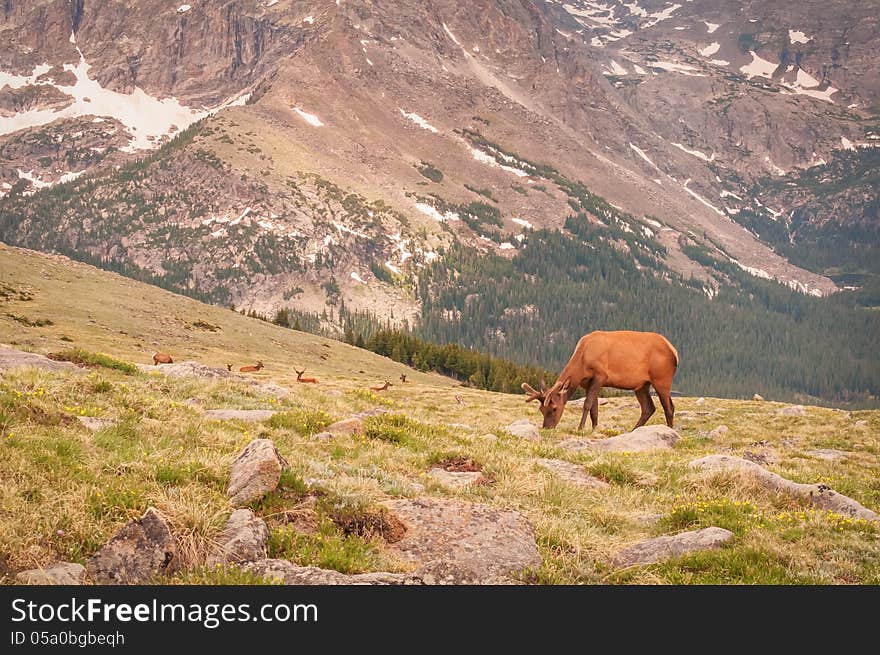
(643, 394)
(666, 403)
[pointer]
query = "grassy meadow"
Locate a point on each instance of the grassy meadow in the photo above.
(66, 489)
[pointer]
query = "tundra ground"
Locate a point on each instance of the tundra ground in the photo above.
(66, 489)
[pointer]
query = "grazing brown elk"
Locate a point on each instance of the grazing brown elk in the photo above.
(251, 369)
(383, 387)
(622, 360)
(162, 358)
(403, 377)
(300, 378)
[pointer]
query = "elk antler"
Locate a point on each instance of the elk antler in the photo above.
(531, 393)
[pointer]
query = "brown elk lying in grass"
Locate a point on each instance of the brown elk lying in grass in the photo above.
(403, 377)
(251, 369)
(622, 360)
(300, 378)
(383, 387)
(162, 358)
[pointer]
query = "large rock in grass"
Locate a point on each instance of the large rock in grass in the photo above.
(242, 540)
(525, 429)
(255, 472)
(190, 369)
(454, 542)
(456, 479)
(819, 495)
(12, 358)
(661, 548)
(645, 438)
(353, 424)
(62, 573)
(288, 573)
(143, 549)
(240, 414)
(572, 473)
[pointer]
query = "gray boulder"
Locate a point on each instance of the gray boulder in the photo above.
(661, 548)
(12, 358)
(793, 410)
(242, 540)
(354, 424)
(143, 549)
(573, 473)
(454, 542)
(62, 573)
(819, 495)
(525, 429)
(255, 472)
(647, 437)
(286, 572)
(240, 414)
(455, 479)
(95, 424)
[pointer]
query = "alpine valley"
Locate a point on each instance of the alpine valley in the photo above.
(505, 175)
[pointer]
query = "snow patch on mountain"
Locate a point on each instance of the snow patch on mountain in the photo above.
(695, 153)
(710, 49)
(418, 120)
(147, 118)
(311, 119)
(796, 36)
(701, 198)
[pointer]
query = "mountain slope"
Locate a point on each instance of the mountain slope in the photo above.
(150, 442)
(336, 151)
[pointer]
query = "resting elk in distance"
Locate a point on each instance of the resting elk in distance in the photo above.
(300, 378)
(162, 358)
(382, 387)
(251, 369)
(622, 360)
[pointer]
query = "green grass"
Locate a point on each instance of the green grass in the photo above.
(85, 358)
(328, 548)
(66, 490)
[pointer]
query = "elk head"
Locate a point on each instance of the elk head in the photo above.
(551, 401)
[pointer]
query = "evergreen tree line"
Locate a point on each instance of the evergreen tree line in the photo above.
(364, 330)
(755, 336)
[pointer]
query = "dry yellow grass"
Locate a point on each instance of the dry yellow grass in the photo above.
(66, 489)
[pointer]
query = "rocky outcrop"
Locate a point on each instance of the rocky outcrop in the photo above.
(455, 479)
(242, 540)
(255, 472)
(142, 550)
(524, 428)
(12, 358)
(454, 542)
(240, 414)
(95, 424)
(62, 573)
(354, 424)
(286, 572)
(645, 438)
(660, 548)
(573, 473)
(819, 495)
(793, 410)
(191, 369)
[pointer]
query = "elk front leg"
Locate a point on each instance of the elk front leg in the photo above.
(592, 399)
